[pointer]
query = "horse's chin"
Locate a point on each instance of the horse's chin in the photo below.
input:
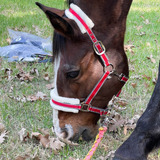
(86, 133)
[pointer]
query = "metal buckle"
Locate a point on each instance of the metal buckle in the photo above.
(85, 107)
(102, 46)
(107, 68)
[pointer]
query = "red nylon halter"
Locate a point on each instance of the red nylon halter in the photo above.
(99, 50)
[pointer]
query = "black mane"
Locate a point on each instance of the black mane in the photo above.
(58, 44)
(70, 1)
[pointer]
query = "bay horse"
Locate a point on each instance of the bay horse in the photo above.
(146, 136)
(90, 63)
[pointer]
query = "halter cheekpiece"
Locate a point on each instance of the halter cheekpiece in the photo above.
(73, 104)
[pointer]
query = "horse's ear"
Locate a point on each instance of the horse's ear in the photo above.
(59, 23)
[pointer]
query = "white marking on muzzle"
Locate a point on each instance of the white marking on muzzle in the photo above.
(56, 108)
(57, 129)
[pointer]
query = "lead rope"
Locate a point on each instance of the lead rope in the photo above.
(98, 139)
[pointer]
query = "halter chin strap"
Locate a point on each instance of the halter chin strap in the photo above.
(73, 104)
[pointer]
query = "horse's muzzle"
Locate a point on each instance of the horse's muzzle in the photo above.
(86, 133)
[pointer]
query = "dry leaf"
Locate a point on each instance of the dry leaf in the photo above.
(24, 76)
(147, 21)
(125, 130)
(41, 95)
(139, 27)
(46, 77)
(56, 144)
(22, 157)
(44, 131)
(134, 85)
(8, 40)
(118, 124)
(35, 135)
(44, 140)
(129, 48)
(141, 34)
(38, 96)
(110, 155)
(148, 44)
(122, 103)
(8, 71)
(50, 86)
(23, 135)
(2, 127)
(18, 99)
(34, 71)
(3, 136)
(146, 85)
(147, 77)
(48, 142)
(152, 59)
(154, 80)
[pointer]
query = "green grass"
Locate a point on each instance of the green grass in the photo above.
(26, 16)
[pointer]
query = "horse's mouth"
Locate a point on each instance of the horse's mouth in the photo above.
(83, 132)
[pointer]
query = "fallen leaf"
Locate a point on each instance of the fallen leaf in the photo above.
(129, 48)
(50, 86)
(134, 85)
(139, 27)
(35, 135)
(56, 144)
(148, 44)
(9, 72)
(147, 21)
(34, 71)
(147, 77)
(44, 131)
(22, 157)
(8, 40)
(41, 95)
(3, 136)
(110, 155)
(151, 58)
(46, 77)
(48, 142)
(125, 130)
(154, 80)
(141, 34)
(2, 127)
(38, 96)
(23, 135)
(18, 99)
(146, 85)
(44, 140)
(11, 89)
(118, 124)
(24, 76)
(122, 103)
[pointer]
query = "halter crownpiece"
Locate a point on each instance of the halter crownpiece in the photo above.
(85, 18)
(85, 24)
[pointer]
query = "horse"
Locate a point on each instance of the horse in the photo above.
(146, 135)
(90, 63)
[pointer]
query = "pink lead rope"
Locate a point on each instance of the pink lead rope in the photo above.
(99, 137)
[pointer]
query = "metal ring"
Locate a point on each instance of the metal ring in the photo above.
(112, 69)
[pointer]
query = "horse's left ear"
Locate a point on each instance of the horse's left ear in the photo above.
(59, 23)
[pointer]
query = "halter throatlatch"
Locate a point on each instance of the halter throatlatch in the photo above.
(73, 104)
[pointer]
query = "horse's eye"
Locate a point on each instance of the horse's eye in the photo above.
(72, 74)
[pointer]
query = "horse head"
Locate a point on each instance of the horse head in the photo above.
(81, 63)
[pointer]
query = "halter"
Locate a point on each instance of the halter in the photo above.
(73, 104)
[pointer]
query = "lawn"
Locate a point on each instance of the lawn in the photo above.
(143, 34)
